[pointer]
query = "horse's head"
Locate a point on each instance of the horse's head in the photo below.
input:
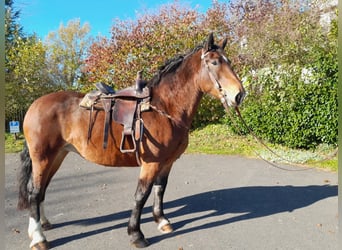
(219, 78)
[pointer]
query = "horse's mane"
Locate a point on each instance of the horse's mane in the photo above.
(170, 66)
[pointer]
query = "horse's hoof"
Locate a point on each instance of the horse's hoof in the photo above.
(41, 246)
(140, 243)
(46, 226)
(165, 227)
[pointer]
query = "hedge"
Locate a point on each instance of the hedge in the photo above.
(293, 106)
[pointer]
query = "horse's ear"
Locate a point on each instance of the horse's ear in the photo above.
(210, 43)
(223, 43)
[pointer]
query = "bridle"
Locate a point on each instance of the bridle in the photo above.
(215, 81)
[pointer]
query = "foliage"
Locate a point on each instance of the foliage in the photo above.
(147, 42)
(210, 111)
(290, 72)
(28, 78)
(13, 32)
(25, 74)
(34, 68)
(66, 50)
(273, 32)
(13, 29)
(297, 111)
(143, 44)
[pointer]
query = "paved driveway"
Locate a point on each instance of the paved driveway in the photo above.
(213, 202)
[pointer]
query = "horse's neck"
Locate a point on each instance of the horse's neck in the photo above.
(178, 95)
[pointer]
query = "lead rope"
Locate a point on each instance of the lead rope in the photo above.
(260, 141)
(226, 106)
(272, 151)
(256, 138)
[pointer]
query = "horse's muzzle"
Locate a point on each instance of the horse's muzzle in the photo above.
(239, 98)
(233, 101)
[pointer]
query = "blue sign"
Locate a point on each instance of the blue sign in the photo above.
(14, 127)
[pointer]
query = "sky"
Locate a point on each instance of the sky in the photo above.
(43, 16)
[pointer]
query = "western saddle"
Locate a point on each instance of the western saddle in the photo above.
(124, 107)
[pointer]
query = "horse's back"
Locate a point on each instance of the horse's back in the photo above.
(52, 101)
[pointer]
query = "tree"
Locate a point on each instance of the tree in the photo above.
(66, 51)
(274, 32)
(29, 75)
(143, 44)
(13, 29)
(290, 68)
(26, 72)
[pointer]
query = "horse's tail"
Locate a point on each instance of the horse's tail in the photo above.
(24, 176)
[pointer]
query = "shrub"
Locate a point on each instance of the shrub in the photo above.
(290, 109)
(210, 111)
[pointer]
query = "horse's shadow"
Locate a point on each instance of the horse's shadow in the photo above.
(246, 202)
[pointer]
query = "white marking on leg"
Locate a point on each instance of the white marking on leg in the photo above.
(163, 223)
(35, 232)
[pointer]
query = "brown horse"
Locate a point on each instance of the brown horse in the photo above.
(55, 125)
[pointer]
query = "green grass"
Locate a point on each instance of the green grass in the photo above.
(218, 139)
(13, 145)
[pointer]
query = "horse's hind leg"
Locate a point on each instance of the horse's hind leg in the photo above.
(46, 225)
(38, 240)
(29, 198)
(43, 169)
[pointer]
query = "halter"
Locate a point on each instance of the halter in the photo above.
(217, 86)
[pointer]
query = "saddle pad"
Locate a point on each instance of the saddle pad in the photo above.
(90, 99)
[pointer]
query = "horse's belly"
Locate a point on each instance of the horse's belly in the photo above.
(112, 159)
(106, 157)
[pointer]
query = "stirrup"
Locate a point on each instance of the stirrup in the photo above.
(123, 139)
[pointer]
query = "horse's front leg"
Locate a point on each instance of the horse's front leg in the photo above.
(143, 191)
(164, 225)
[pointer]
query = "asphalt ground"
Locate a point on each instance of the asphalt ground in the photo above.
(213, 202)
